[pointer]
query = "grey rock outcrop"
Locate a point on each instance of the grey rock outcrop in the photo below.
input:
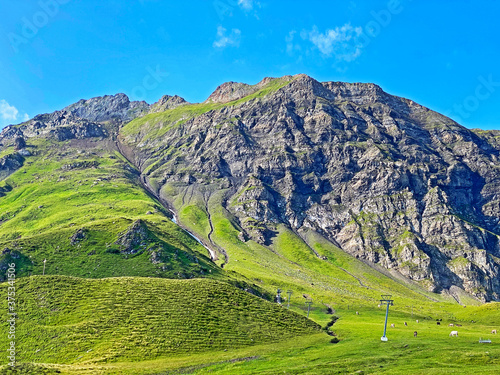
(9, 164)
(19, 143)
(78, 236)
(85, 119)
(230, 91)
(117, 108)
(59, 125)
(134, 239)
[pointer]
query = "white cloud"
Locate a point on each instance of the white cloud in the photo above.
(7, 111)
(224, 40)
(10, 114)
(342, 42)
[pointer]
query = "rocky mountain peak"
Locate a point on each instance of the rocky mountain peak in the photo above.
(359, 93)
(305, 86)
(61, 125)
(116, 108)
(230, 91)
(302, 85)
(167, 102)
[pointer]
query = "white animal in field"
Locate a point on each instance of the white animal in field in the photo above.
(494, 331)
(450, 325)
(454, 333)
(393, 326)
(417, 320)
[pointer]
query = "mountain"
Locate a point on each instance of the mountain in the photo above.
(288, 173)
(381, 177)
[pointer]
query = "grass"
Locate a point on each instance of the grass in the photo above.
(360, 349)
(62, 190)
(153, 326)
(67, 320)
(156, 326)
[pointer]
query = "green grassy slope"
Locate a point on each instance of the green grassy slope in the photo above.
(154, 326)
(360, 351)
(84, 186)
(68, 320)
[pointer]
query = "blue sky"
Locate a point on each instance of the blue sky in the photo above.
(442, 54)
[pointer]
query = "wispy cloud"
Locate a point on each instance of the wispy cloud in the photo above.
(10, 114)
(225, 8)
(246, 4)
(290, 45)
(223, 40)
(344, 42)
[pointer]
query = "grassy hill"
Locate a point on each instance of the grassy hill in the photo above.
(67, 320)
(70, 203)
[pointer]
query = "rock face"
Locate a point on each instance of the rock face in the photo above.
(19, 143)
(59, 125)
(230, 91)
(385, 179)
(167, 102)
(9, 164)
(78, 236)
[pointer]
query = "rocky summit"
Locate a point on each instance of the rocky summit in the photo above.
(396, 185)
